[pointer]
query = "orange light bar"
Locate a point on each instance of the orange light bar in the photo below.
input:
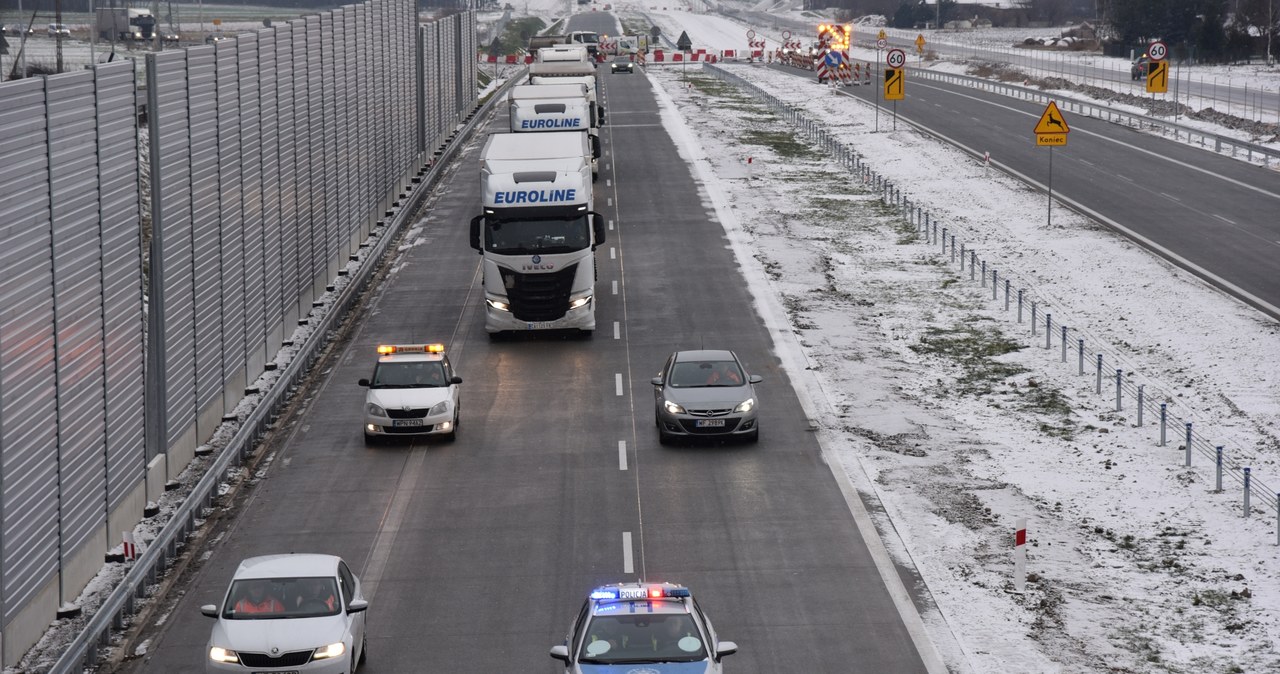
(387, 349)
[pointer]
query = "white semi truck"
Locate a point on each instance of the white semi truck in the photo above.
(538, 233)
(569, 72)
(540, 108)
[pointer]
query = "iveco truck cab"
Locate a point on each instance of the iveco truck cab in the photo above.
(541, 108)
(538, 233)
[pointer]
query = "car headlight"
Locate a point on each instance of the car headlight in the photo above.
(672, 408)
(498, 304)
(746, 405)
(330, 651)
(224, 655)
(439, 408)
(580, 302)
(374, 410)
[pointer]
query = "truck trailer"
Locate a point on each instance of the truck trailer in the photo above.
(540, 108)
(537, 233)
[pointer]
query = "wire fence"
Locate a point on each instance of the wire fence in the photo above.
(1115, 377)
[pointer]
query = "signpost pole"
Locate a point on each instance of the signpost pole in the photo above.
(1049, 211)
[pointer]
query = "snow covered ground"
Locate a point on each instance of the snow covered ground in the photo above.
(934, 399)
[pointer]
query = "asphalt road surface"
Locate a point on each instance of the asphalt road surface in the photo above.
(477, 554)
(1206, 212)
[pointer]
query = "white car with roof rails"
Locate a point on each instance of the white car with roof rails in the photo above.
(413, 391)
(302, 613)
(655, 628)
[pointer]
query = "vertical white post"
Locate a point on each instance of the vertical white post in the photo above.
(1020, 556)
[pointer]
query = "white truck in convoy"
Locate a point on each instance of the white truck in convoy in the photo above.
(569, 72)
(563, 52)
(537, 233)
(539, 108)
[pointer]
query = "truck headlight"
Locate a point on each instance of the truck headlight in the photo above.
(498, 305)
(580, 302)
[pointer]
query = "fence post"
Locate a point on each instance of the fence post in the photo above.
(944, 243)
(1099, 387)
(1188, 461)
(1140, 405)
(995, 287)
(1048, 330)
(1064, 343)
(961, 256)
(1019, 305)
(1006, 294)
(1033, 319)
(1163, 421)
(1080, 343)
(1119, 378)
(953, 250)
(984, 273)
(973, 256)
(1247, 488)
(1217, 482)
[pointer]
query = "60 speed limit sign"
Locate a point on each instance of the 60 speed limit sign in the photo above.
(1157, 51)
(896, 58)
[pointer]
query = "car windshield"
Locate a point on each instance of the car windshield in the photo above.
(413, 374)
(619, 639)
(695, 374)
(274, 598)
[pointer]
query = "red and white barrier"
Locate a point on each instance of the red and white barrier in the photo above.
(130, 546)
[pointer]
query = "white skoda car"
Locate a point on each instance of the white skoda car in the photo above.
(288, 613)
(413, 391)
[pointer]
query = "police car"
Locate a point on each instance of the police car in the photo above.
(656, 628)
(413, 391)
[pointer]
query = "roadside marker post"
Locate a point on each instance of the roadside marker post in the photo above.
(1020, 556)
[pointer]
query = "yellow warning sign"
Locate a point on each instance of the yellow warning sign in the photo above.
(1158, 77)
(882, 35)
(894, 83)
(920, 43)
(1052, 128)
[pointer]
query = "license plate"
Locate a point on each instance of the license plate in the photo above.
(276, 671)
(401, 423)
(709, 423)
(539, 325)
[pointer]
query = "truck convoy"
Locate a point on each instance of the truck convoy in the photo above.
(537, 232)
(569, 72)
(556, 107)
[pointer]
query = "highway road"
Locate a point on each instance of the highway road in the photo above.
(477, 554)
(1208, 213)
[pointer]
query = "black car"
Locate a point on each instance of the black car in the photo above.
(621, 65)
(1139, 68)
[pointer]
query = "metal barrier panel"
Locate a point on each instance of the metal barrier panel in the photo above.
(360, 90)
(77, 304)
(253, 354)
(172, 367)
(28, 469)
(123, 326)
(271, 113)
(287, 133)
(378, 104)
(348, 214)
(329, 145)
(228, 246)
(207, 119)
(314, 226)
(303, 143)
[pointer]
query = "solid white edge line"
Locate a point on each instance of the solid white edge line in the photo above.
(628, 560)
(622, 455)
(617, 383)
(793, 359)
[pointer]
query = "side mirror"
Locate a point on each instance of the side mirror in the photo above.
(560, 652)
(456, 380)
(724, 648)
(597, 225)
(361, 605)
(475, 232)
(210, 610)
(595, 147)
(656, 381)
(363, 382)
(601, 113)
(755, 379)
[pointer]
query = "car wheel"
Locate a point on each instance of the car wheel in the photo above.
(370, 440)
(364, 650)
(453, 435)
(495, 336)
(754, 436)
(664, 438)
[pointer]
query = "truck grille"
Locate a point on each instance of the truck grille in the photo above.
(539, 297)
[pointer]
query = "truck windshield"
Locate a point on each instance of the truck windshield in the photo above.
(537, 236)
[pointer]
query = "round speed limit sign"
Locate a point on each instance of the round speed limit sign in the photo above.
(1157, 51)
(786, 35)
(882, 43)
(896, 58)
(751, 35)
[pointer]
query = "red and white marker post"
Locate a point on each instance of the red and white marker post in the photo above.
(130, 547)
(1020, 556)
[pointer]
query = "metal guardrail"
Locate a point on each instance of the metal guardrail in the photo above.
(1127, 382)
(82, 652)
(1218, 143)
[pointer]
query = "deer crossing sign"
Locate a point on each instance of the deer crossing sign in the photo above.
(1052, 128)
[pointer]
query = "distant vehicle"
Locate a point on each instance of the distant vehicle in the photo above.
(56, 29)
(705, 394)
(586, 37)
(171, 38)
(622, 65)
(123, 24)
(642, 627)
(294, 612)
(215, 37)
(1139, 69)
